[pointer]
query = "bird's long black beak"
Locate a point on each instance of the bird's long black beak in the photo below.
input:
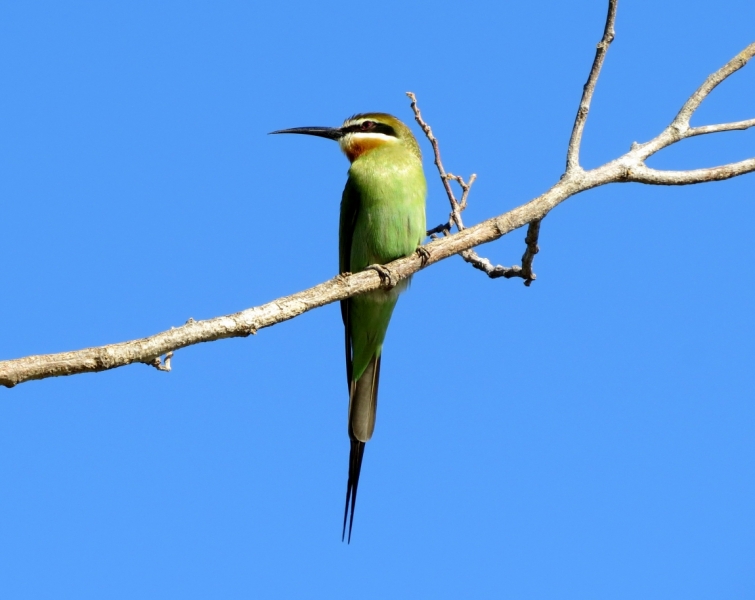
(332, 133)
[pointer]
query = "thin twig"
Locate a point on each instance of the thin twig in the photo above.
(455, 212)
(161, 365)
(533, 231)
(735, 126)
(444, 228)
(458, 206)
(643, 174)
(487, 267)
(572, 154)
(465, 187)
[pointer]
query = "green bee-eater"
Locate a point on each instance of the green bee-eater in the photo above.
(382, 219)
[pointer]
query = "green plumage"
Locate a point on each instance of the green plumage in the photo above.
(382, 219)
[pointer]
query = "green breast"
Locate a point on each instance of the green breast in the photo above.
(389, 220)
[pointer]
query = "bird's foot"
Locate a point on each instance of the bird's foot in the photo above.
(424, 255)
(387, 279)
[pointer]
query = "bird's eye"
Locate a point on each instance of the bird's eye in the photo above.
(367, 125)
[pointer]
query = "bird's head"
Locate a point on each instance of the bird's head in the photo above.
(365, 132)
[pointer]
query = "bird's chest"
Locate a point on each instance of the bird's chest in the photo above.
(390, 222)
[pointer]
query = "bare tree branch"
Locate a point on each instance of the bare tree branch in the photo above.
(643, 174)
(457, 207)
(572, 164)
(572, 153)
(679, 129)
(533, 232)
(627, 168)
(496, 271)
(487, 267)
(696, 99)
(736, 125)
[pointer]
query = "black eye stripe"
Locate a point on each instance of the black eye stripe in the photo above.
(377, 128)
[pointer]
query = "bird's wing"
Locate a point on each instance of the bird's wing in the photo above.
(350, 201)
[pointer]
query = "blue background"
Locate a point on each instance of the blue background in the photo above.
(591, 436)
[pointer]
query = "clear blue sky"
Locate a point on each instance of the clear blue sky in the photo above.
(592, 436)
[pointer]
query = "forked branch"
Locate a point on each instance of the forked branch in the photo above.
(457, 207)
(572, 165)
(627, 168)
(572, 153)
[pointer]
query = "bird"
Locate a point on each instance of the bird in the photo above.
(382, 219)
